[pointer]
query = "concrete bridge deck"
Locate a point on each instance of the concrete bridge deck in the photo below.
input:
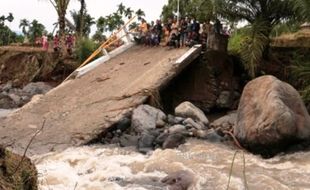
(78, 110)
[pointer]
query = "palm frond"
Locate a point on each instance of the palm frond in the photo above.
(303, 8)
(254, 45)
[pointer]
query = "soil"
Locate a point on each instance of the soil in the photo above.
(23, 65)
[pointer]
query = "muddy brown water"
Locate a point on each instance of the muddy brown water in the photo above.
(113, 168)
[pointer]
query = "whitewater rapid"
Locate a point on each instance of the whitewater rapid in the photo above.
(102, 167)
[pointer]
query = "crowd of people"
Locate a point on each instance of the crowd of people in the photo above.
(176, 33)
(45, 43)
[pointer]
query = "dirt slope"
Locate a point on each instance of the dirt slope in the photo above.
(80, 109)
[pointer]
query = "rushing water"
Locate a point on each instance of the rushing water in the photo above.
(112, 168)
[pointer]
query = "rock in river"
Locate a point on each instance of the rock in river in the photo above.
(271, 116)
(146, 117)
(188, 110)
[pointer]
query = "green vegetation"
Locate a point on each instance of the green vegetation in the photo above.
(7, 36)
(301, 74)
(11, 179)
(200, 9)
(84, 48)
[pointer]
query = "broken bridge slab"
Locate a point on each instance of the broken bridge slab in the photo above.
(79, 110)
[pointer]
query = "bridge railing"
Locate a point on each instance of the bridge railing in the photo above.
(110, 41)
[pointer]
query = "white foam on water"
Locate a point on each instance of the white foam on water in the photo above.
(112, 168)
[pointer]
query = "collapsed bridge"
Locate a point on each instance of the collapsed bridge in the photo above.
(101, 94)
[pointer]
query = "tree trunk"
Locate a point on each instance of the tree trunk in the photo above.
(62, 33)
(82, 11)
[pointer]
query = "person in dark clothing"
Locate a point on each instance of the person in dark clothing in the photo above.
(183, 32)
(158, 30)
(174, 41)
(195, 27)
(218, 26)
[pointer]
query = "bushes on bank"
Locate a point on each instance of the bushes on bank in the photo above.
(84, 48)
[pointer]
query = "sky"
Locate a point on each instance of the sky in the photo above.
(44, 12)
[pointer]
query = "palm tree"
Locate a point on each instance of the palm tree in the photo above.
(24, 24)
(82, 15)
(10, 18)
(82, 28)
(121, 9)
(101, 24)
(36, 29)
(140, 14)
(303, 8)
(133, 25)
(61, 9)
(128, 13)
(262, 16)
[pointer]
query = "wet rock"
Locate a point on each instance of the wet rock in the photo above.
(146, 117)
(6, 102)
(177, 129)
(226, 122)
(6, 87)
(210, 135)
(172, 120)
(181, 180)
(159, 141)
(128, 140)
(160, 124)
(115, 140)
(15, 98)
(123, 124)
(271, 116)
(174, 141)
(146, 142)
(189, 122)
(37, 88)
(188, 110)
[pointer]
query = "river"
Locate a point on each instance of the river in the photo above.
(108, 167)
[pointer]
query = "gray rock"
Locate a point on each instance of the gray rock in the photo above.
(161, 139)
(8, 86)
(146, 117)
(15, 98)
(37, 88)
(172, 120)
(189, 122)
(146, 142)
(225, 99)
(226, 122)
(128, 140)
(174, 141)
(123, 124)
(188, 110)
(6, 102)
(177, 129)
(180, 180)
(210, 135)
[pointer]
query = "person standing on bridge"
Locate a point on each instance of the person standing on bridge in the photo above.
(143, 30)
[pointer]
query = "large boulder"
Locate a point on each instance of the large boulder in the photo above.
(271, 116)
(188, 110)
(146, 117)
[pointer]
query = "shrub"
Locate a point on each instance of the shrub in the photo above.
(84, 48)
